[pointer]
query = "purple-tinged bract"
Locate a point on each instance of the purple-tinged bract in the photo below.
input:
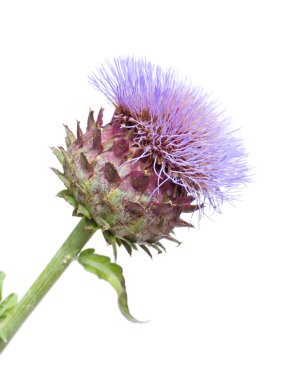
(164, 149)
(177, 129)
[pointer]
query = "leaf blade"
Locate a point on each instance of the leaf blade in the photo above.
(7, 305)
(104, 269)
(68, 197)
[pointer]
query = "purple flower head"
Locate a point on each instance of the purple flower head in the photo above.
(177, 127)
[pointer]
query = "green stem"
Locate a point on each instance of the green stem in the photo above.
(64, 256)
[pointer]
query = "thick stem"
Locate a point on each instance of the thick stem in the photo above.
(64, 256)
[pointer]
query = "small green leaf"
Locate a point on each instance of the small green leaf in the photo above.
(82, 210)
(88, 251)
(108, 236)
(127, 246)
(153, 245)
(59, 155)
(114, 247)
(2, 277)
(110, 272)
(62, 177)
(3, 335)
(7, 305)
(160, 245)
(146, 250)
(91, 225)
(68, 197)
(111, 239)
(168, 237)
(132, 244)
(70, 138)
(103, 224)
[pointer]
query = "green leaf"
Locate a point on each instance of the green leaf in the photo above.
(62, 177)
(168, 237)
(114, 241)
(2, 277)
(59, 155)
(68, 197)
(108, 236)
(87, 251)
(132, 244)
(114, 248)
(146, 250)
(110, 272)
(127, 246)
(70, 138)
(82, 210)
(156, 247)
(160, 245)
(91, 225)
(103, 224)
(7, 305)
(3, 335)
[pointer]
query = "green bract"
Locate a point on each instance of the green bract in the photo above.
(109, 183)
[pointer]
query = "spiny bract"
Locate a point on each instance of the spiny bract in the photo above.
(164, 150)
(104, 183)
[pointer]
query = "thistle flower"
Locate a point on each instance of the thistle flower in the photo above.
(166, 151)
(178, 128)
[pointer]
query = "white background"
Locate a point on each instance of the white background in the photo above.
(229, 302)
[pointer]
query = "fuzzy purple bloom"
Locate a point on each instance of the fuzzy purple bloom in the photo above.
(177, 127)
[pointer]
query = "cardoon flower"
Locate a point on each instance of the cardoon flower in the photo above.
(179, 133)
(166, 151)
